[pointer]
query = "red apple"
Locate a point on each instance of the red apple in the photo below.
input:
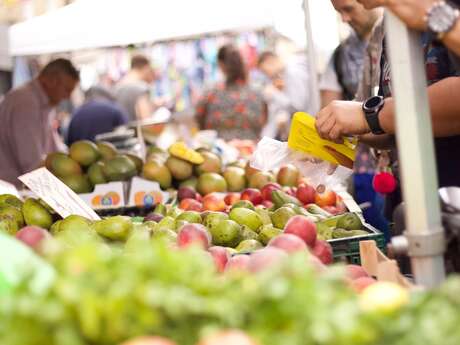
(327, 198)
(354, 272)
(232, 198)
(198, 197)
(149, 341)
(190, 205)
(230, 337)
(288, 175)
(323, 251)
(331, 209)
(220, 256)
(32, 236)
(253, 195)
(287, 242)
(306, 194)
(268, 189)
(267, 204)
(193, 234)
(214, 202)
(361, 283)
(302, 227)
(265, 258)
(186, 193)
(238, 263)
(341, 207)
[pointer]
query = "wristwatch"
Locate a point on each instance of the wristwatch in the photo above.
(441, 18)
(371, 108)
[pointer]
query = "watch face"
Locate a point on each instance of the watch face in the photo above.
(441, 18)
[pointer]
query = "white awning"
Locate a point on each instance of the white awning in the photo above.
(89, 24)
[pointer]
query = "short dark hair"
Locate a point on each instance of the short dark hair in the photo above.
(235, 68)
(64, 66)
(139, 61)
(264, 56)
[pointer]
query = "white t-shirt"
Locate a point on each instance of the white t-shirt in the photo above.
(329, 80)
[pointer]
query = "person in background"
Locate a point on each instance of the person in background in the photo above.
(234, 109)
(344, 70)
(26, 134)
(133, 91)
(269, 80)
(99, 114)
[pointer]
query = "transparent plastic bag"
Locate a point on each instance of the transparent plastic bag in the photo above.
(272, 154)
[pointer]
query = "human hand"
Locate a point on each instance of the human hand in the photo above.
(339, 119)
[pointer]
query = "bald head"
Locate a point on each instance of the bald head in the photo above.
(59, 78)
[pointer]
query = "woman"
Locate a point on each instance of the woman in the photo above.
(233, 109)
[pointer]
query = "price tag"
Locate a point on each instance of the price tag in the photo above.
(56, 194)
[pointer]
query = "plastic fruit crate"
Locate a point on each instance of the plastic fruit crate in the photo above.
(347, 249)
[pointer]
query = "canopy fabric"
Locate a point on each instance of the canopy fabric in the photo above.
(88, 24)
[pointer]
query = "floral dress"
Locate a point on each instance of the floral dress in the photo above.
(235, 112)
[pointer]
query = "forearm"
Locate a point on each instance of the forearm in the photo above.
(327, 96)
(379, 142)
(445, 109)
(452, 39)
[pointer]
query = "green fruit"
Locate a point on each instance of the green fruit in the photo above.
(160, 209)
(210, 183)
(138, 162)
(106, 149)
(235, 178)
(244, 216)
(190, 182)
(150, 225)
(96, 173)
(174, 212)
(359, 233)
(13, 213)
(62, 165)
(74, 223)
(164, 234)
(247, 234)
(53, 156)
(116, 228)
(260, 179)
(167, 222)
(211, 164)
(120, 168)
(211, 219)
(281, 216)
(267, 232)
(84, 152)
(158, 172)
(350, 221)
(324, 231)
(225, 233)
(341, 233)
(8, 226)
(264, 215)
(78, 183)
(10, 200)
(190, 216)
(248, 246)
(155, 153)
(56, 227)
(244, 204)
(35, 214)
(179, 224)
(180, 169)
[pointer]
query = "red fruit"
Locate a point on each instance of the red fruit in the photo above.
(238, 262)
(32, 236)
(214, 202)
(306, 194)
(195, 234)
(190, 205)
(323, 251)
(328, 198)
(302, 227)
(361, 283)
(220, 256)
(231, 337)
(198, 197)
(355, 271)
(232, 198)
(331, 209)
(149, 341)
(341, 207)
(288, 175)
(268, 189)
(287, 242)
(186, 193)
(267, 204)
(265, 258)
(253, 195)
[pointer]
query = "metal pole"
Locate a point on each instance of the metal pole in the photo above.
(416, 152)
(311, 63)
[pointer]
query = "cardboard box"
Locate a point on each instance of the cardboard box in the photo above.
(146, 193)
(106, 196)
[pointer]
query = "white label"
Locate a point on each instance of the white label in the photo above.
(146, 193)
(56, 194)
(8, 188)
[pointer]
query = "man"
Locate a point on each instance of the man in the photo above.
(26, 134)
(344, 71)
(133, 91)
(99, 114)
